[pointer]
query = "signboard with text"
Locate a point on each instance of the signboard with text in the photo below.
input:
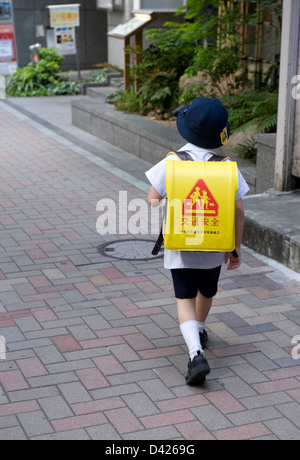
(130, 27)
(64, 15)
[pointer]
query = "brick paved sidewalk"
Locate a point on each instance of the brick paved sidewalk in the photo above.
(94, 347)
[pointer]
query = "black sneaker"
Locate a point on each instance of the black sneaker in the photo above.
(198, 369)
(204, 339)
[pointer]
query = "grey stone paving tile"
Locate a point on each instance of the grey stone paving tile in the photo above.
(12, 334)
(84, 354)
(28, 324)
(154, 434)
(74, 392)
(35, 423)
(15, 433)
(164, 321)
(70, 366)
(54, 379)
(103, 433)
(146, 364)
(131, 377)
(291, 411)
(169, 375)
(55, 407)
(238, 388)
(34, 393)
(211, 418)
(141, 405)
(124, 353)
(254, 416)
(156, 390)
(29, 344)
(260, 361)
(111, 313)
(11, 300)
(49, 355)
(287, 361)
(46, 334)
(8, 422)
(97, 322)
(119, 390)
(267, 400)
(248, 374)
(283, 429)
(82, 332)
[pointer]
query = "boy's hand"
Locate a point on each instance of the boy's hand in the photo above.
(233, 262)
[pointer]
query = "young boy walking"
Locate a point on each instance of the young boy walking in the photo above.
(204, 124)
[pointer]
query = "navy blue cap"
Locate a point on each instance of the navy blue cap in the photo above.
(204, 123)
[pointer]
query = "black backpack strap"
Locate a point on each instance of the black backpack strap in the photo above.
(216, 157)
(183, 156)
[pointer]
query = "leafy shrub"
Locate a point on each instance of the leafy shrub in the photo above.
(249, 109)
(158, 71)
(41, 79)
(126, 101)
(252, 108)
(98, 76)
(248, 149)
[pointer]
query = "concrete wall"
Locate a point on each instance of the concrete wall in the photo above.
(92, 38)
(296, 149)
(265, 167)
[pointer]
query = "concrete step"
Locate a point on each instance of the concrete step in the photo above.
(272, 226)
(137, 135)
(102, 91)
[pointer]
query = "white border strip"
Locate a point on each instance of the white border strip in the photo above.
(291, 274)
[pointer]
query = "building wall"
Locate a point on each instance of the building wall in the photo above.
(92, 33)
(158, 4)
(296, 149)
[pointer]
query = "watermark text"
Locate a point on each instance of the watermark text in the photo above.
(296, 349)
(296, 89)
(2, 87)
(2, 348)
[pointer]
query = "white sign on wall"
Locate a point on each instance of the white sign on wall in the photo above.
(64, 15)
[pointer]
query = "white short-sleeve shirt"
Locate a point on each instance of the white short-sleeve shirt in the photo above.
(190, 259)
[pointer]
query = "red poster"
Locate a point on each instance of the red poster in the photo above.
(7, 43)
(8, 55)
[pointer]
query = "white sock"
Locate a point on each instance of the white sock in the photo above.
(201, 327)
(190, 332)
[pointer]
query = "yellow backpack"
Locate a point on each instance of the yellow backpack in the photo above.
(201, 199)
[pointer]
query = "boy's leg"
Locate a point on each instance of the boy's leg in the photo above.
(186, 293)
(189, 325)
(207, 290)
(203, 306)
(186, 310)
(198, 367)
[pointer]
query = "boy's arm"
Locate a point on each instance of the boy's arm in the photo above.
(154, 198)
(239, 229)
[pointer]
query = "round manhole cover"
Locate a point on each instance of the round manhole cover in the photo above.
(130, 250)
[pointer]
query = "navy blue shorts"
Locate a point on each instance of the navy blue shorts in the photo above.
(188, 282)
